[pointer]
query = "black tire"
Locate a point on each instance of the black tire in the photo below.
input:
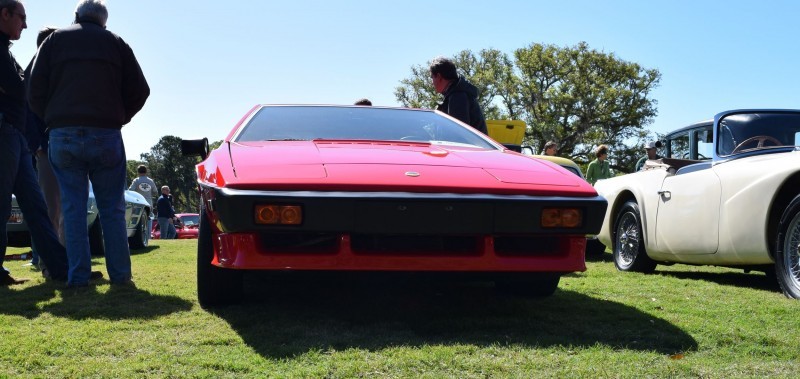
(787, 256)
(215, 286)
(97, 247)
(594, 248)
(535, 286)
(629, 251)
(139, 239)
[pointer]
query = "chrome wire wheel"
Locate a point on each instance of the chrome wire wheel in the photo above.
(791, 256)
(629, 250)
(628, 237)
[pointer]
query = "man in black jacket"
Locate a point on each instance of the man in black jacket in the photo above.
(86, 84)
(460, 96)
(16, 164)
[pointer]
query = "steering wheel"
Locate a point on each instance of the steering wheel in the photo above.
(760, 139)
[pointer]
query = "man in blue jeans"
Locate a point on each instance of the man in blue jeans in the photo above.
(166, 215)
(86, 84)
(16, 166)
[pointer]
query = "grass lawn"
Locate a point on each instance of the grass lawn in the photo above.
(683, 321)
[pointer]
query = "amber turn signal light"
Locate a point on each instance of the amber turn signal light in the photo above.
(562, 218)
(271, 214)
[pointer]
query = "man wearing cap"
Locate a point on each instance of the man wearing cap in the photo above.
(650, 147)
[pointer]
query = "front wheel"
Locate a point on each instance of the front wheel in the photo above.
(97, 245)
(787, 257)
(140, 239)
(215, 285)
(629, 251)
(536, 285)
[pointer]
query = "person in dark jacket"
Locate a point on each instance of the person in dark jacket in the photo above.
(17, 175)
(35, 133)
(86, 84)
(460, 96)
(166, 215)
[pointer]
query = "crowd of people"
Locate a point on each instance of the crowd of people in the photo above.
(81, 87)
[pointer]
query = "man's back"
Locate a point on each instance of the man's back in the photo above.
(146, 187)
(86, 75)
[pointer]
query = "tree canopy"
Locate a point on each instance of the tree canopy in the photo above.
(576, 96)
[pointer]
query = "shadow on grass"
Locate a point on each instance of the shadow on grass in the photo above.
(117, 303)
(145, 250)
(286, 318)
(738, 279)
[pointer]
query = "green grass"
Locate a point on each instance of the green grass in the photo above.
(683, 321)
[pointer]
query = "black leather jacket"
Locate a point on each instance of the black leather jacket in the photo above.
(461, 102)
(85, 75)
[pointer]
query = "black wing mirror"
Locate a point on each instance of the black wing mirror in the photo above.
(195, 147)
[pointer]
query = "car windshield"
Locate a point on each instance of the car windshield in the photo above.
(190, 220)
(745, 132)
(305, 123)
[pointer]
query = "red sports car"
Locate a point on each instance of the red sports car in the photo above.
(353, 188)
(186, 226)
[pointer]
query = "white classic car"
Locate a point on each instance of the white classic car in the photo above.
(137, 210)
(726, 193)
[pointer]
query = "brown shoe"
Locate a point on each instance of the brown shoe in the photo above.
(7, 280)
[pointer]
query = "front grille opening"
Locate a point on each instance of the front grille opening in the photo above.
(526, 245)
(415, 244)
(306, 243)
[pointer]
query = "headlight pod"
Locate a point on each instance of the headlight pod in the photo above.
(562, 218)
(274, 214)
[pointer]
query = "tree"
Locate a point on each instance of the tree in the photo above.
(167, 166)
(576, 96)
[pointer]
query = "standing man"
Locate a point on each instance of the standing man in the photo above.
(460, 96)
(147, 188)
(652, 153)
(166, 215)
(16, 164)
(86, 84)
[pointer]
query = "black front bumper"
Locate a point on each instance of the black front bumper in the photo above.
(402, 212)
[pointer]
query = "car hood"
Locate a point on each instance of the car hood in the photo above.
(395, 166)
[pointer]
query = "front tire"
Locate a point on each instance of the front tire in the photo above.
(538, 286)
(139, 239)
(215, 285)
(629, 251)
(97, 246)
(787, 256)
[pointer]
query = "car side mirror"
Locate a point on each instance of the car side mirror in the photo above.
(195, 147)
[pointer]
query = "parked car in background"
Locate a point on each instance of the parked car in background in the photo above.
(727, 193)
(349, 188)
(137, 209)
(187, 226)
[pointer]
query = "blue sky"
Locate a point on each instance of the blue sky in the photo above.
(209, 62)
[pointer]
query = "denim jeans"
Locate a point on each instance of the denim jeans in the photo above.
(168, 231)
(78, 155)
(18, 177)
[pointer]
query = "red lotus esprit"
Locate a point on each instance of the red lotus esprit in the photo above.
(354, 188)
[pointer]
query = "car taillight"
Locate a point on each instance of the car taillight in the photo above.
(273, 214)
(562, 218)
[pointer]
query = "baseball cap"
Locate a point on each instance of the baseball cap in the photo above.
(652, 145)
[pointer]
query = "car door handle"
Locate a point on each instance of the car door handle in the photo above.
(663, 193)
